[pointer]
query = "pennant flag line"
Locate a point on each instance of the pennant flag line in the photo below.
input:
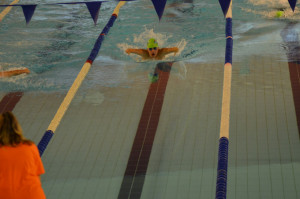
(159, 6)
(94, 8)
(77, 2)
(293, 4)
(224, 5)
(28, 11)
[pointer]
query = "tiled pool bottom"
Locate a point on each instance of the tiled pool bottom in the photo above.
(88, 154)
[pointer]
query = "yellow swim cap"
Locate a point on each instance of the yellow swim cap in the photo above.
(152, 43)
(279, 13)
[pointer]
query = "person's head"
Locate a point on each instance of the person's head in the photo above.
(10, 130)
(152, 47)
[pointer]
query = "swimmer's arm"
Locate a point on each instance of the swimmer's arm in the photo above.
(141, 52)
(14, 72)
(166, 51)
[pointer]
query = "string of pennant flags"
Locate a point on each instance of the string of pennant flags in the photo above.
(293, 4)
(93, 8)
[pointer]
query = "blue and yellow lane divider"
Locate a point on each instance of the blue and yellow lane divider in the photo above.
(7, 10)
(221, 188)
(76, 84)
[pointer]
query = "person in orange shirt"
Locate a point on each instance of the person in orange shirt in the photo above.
(20, 162)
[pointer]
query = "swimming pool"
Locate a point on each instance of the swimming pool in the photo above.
(89, 153)
(60, 37)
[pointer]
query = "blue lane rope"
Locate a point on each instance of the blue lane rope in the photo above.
(228, 27)
(222, 168)
(45, 141)
(100, 39)
(229, 48)
(229, 41)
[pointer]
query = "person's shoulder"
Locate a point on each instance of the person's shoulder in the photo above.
(168, 49)
(28, 144)
(33, 148)
(32, 145)
(162, 50)
(144, 50)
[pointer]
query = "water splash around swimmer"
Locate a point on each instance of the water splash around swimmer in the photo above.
(139, 41)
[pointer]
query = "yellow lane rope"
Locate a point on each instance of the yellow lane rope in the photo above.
(69, 97)
(7, 10)
(71, 93)
(225, 115)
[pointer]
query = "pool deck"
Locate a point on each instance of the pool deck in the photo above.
(89, 152)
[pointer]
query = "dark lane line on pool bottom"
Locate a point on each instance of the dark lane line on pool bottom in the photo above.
(134, 177)
(294, 69)
(9, 101)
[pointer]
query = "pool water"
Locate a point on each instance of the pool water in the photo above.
(59, 38)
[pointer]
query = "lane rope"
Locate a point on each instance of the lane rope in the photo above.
(7, 10)
(221, 187)
(76, 84)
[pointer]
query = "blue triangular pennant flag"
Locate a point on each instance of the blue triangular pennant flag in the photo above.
(224, 5)
(28, 11)
(293, 4)
(94, 8)
(159, 6)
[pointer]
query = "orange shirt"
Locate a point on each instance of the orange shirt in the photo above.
(20, 168)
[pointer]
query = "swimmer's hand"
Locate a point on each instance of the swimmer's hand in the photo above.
(128, 51)
(175, 50)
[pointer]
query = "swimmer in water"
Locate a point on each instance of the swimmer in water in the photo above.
(152, 51)
(14, 72)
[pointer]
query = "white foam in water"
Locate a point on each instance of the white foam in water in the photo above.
(196, 60)
(244, 28)
(4, 66)
(107, 60)
(179, 70)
